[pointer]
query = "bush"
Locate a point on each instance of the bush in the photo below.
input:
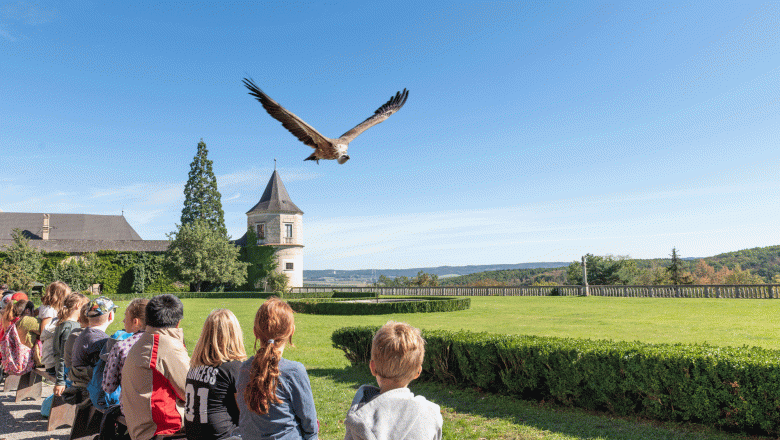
(231, 294)
(188, 295)
(353, 295)
(346, 307)
(731, 388)
(328, 295)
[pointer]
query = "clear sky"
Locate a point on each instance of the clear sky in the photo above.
(535, 131)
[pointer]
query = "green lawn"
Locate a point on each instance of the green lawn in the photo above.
(469, 414)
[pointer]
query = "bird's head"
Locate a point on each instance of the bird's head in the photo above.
(343, 159)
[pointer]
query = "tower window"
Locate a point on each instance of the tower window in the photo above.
(260, 231)
(288, 230)
(288, 266)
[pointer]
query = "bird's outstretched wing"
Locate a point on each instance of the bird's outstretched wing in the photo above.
(393, 105)
(295, 125)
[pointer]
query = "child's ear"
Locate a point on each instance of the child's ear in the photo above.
(419, 371)
(372, 367)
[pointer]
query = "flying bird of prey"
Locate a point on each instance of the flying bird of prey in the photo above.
(324, 148)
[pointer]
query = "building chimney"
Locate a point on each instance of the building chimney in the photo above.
(45, 230)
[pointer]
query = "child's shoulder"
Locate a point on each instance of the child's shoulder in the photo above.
(288, 365)
(365, 394)
(94, 333)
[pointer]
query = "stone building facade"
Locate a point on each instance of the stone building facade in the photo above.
(279, 223)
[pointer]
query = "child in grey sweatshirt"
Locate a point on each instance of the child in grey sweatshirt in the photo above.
(392, 411)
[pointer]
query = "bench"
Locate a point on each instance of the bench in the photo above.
(86, 420)
(29, 386)
(62, 413)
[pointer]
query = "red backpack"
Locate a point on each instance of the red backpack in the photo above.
(17, 358)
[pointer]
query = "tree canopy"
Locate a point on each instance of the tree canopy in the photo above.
(23, 263)
(608, 269)
(199, 254)
(202, 200)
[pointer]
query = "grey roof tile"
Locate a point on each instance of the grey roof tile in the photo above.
(275, 198)
(77, 233)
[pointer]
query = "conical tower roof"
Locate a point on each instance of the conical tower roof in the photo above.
(275, 198)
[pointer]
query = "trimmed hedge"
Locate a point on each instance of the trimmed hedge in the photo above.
(227, 295)
(331, 294)
(187, 295)
(728, 387)
(344, 307)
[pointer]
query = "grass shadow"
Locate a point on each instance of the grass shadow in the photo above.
(464, 408)
(353, 376)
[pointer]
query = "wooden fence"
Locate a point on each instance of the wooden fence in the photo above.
(755, 291)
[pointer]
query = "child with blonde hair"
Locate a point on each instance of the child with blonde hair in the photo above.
(51, 303)
(274, 394)
(392, 411)
(211, 410)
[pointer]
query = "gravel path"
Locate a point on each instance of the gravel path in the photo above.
(23, 420)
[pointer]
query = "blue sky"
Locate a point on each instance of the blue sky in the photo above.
(532, 132)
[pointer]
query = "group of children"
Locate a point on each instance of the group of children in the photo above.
(218, 393)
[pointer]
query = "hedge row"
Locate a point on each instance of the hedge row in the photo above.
(228, 295)
(731, 388)
(331, 294)
(343, 307)
(189, 295)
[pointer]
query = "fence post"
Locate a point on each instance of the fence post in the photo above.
(770, 292)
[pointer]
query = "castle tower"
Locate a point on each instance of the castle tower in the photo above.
(278, 223)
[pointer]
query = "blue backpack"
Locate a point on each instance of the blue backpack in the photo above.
(101, 399)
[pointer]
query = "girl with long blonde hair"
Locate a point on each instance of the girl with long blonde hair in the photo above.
(274, 394)
(51, 304)
(211, 410)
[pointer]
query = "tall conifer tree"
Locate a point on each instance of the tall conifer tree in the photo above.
(202, 200)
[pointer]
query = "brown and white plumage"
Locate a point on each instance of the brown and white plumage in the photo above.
(324, 148)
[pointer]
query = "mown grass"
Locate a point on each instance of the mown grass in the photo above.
(470, 414)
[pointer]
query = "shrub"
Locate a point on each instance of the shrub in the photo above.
(187, 295)
(732, 388)
(347, 307)
(352, 295)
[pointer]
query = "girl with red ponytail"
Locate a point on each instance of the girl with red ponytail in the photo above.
(274, 394)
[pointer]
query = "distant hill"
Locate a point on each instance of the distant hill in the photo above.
(441, 271)
(761, 261)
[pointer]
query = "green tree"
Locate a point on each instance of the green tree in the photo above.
(604, 270)
(277, 281)
(13, 276)
(24, 261)
(675, 269)
(261, 261)
(199, 254)
(739, 276)
(202, 200)
(424, 279)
